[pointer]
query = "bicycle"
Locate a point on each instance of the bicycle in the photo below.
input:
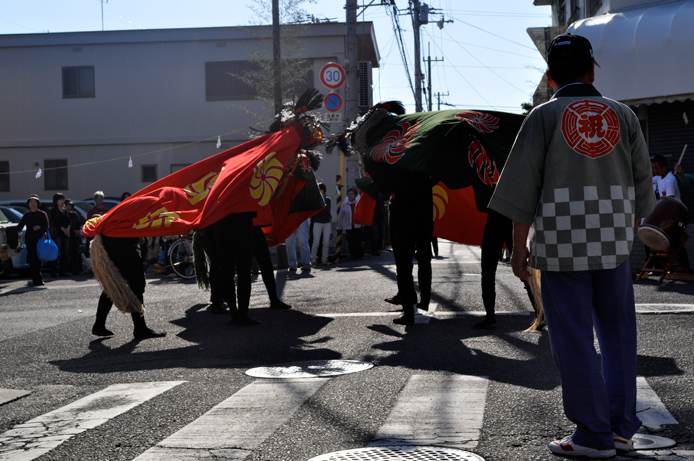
(180, 257)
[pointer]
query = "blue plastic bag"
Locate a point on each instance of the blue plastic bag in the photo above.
(46, 249)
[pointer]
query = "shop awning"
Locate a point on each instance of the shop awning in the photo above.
(646, 54)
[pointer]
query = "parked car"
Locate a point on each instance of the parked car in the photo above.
(87, 204)
(17, 261)
(21, 206)
(10, 239)
(12, 214)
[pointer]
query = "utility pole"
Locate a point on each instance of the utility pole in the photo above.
(102, 15)
(351, 87)
(431, 99)
(416, 23)
(438, 96)
(282, 261)
(276, 56)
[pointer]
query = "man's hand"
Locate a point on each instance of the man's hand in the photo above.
(36, 228)
(519, 262)
(520, 254)
(678, 169)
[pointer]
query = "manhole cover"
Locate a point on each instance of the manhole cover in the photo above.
(651, 442)
(310, 369)
(663, 308)
(404, 453)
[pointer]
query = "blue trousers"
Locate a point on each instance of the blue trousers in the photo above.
(600, 398)
(304, 250)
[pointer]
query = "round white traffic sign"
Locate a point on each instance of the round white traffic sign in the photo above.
(332, 76)
(332, 102)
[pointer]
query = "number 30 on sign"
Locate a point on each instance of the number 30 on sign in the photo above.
(332, 76)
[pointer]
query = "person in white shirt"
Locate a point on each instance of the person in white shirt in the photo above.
(668, 187)
(664, 179)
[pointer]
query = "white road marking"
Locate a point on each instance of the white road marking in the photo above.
(232, 429)
(8, 395)
(440, 410)
(663, 308)
(422, 316)
(40, 435)
(649, 408)
(423, 313)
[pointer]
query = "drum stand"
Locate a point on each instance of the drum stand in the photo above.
(662, 255)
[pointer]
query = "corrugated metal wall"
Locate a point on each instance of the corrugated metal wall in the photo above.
(669, 127)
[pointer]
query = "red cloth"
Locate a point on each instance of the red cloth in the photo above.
(241, 179)
(364, 213)
(456, 217)
(278, 221)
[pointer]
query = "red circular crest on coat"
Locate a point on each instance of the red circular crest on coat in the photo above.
(590, 127)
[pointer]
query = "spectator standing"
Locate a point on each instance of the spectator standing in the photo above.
(322, 227)
(345, 222)
(301, 234)
(36, 223)
(579, 172)
(60, 233)
(74, 259)
(98, 209)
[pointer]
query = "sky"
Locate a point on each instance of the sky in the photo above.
(483, 59)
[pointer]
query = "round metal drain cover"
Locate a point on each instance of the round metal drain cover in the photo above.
(400, 453)
(651, 442)
(310, 369)
(663, 308)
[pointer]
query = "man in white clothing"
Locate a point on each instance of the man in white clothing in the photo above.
(664, 179)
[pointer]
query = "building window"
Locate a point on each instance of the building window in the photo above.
(222, 80)
(4, 176)
(55, 174)
(78, 82)
(222, 83)
(149, 173)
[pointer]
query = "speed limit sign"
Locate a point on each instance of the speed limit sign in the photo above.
(332, 76)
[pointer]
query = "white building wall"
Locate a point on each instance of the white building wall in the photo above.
(150, 104)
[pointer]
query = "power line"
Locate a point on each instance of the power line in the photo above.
(466, 80)
(494, 49)
(495, 35)
(19, 25)
(497, 13)
(490, 70)
(401, 46)
(98, 162)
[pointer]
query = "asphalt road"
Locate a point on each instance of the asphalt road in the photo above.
(500, 386)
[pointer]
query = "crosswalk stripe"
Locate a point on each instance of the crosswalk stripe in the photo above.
(239, 424)
(40, 435)
(650, 408)
(441, 410)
